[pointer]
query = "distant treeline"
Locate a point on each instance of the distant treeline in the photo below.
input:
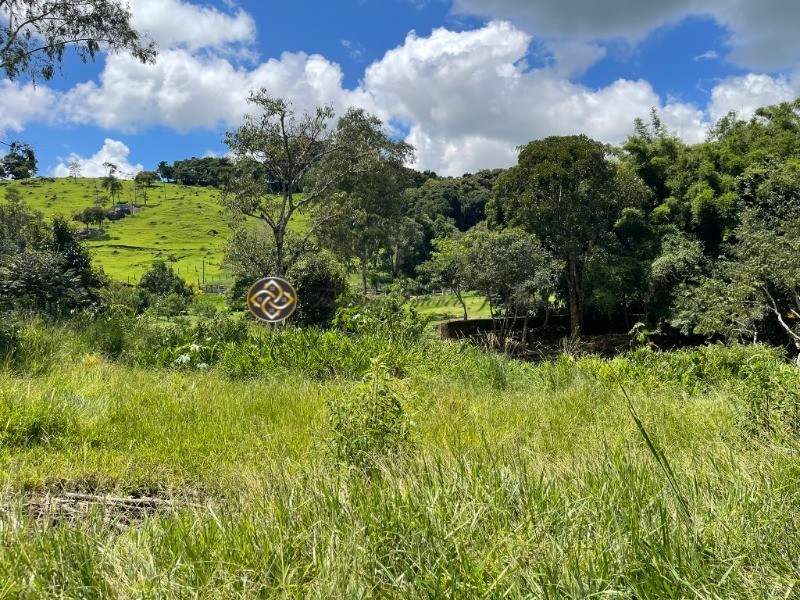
(207, 171)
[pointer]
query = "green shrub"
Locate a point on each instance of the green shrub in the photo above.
(386, 315)
(161, 280)
(170, 306)
(118, 295)
(319, 279)
(107, 332)
(204, 310)
(370, 421)
(169, 294)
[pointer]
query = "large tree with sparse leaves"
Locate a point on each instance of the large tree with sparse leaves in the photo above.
(306, 158)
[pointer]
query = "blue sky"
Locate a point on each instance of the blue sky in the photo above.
(464, 81)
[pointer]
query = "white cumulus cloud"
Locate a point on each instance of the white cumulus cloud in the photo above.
(113, 151)
(469, 99)
(747, 93)
(178, 23)
(185, 91)
(21, 104)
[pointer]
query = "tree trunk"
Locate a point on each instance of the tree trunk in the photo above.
(575, 303)
(363, 260)
(395, 262)
(280, 268)
(457, 291)
(524, 346)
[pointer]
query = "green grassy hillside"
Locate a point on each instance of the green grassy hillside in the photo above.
(182, 223)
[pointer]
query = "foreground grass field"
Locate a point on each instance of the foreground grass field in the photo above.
(517, 480)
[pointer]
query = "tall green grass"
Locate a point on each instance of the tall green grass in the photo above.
(514, 480)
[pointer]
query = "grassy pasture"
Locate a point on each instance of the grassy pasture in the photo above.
(186, 223)
(446, 307)
(519, 480)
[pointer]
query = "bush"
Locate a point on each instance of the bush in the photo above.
(318, 280)
(162, 281)
(385, 315)
(118, 295)
(170, 306)
(107, 332)
(370, 421)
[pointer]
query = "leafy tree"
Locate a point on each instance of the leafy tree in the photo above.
(66, 243)
(618, 274)
(51, 273)
(368, 217)
(440, 206)
(319, 280)
(405, 237)
(680, 263)
(563, 191)
(653, 153)
(20, 161)
(249, 256)
(166, 171)
(754, 289)
(207, 171)
(143, 181)
(20, 226)
(93, 214)
(448, 266)
(462, 199)
(34, 34)
(146, 178)
(82, 217)
(111, 183)
(75, 170)
(309, 153)
(161, 280)
(511, 268)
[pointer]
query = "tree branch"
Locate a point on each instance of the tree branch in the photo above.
(774, 307)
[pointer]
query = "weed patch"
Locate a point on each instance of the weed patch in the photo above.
(370, 421)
